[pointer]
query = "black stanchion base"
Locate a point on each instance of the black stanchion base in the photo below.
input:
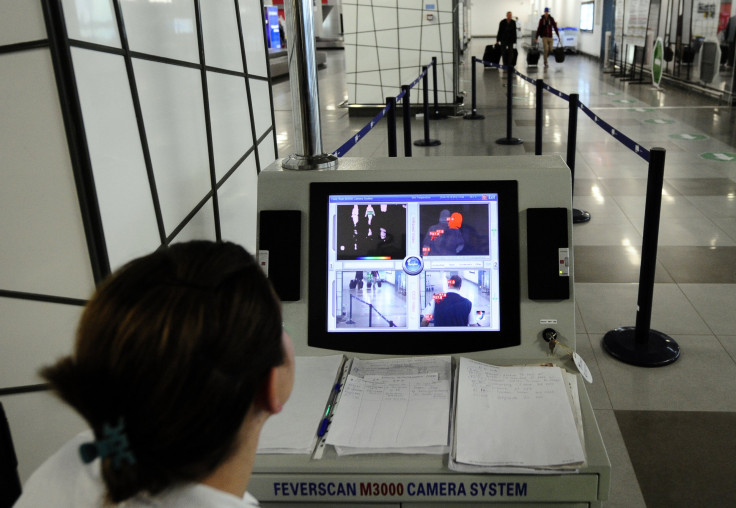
(579, 216)
(659, 350)
(509, 141)
(427, 142)
(473, 116)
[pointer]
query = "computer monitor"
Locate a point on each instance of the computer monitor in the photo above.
(426, 267)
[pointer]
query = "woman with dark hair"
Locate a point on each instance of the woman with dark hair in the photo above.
(179, 360)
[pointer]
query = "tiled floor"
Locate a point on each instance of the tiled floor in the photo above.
(653, 420)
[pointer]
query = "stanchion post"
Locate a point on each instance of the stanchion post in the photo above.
(508, 140)
(474, 115)
(406, 114)
(640, 345)
(425, 109)
(572, 133)
(436, 115)
(391, 125)
(539, 120)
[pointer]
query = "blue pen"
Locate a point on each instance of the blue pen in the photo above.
(326, 419)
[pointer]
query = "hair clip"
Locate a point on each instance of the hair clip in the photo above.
(114, 444)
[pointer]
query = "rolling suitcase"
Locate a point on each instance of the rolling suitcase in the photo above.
(510, 56)
(559, 53)
(492, 54)
(532, 56)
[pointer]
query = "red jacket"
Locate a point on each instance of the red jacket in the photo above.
(546, 24)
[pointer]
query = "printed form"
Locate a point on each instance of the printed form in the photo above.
(395, 405)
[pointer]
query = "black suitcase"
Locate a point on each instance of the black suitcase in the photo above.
(559, 53)
(492, 54)
(510, 56)
(532, 56)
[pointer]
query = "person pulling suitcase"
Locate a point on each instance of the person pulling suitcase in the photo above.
(506, 38)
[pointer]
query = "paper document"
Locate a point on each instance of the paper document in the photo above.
(397, 405)
(514, 417)
(294, 429)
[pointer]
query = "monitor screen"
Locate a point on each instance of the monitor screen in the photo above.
(413, 267)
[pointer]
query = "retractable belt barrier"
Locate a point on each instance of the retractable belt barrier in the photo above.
(618, 135)
(350, 143)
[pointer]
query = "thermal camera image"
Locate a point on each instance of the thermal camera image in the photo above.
(454, 230)
(371, 231)
(456, 298)
(371, 299)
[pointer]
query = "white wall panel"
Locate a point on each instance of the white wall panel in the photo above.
(40, 423)
(409, 48)
(173, 113)
(409, 17)
(33, 334)
(251, 16)
(201, 226)
(367, 59)
(21, 21)
(44, 249)
(229, 114)
(91, 22)
(123, 189)
(261, 100)
(412, 37)
(220, 34)
(385, 18)
(238, 199)
(165, 29)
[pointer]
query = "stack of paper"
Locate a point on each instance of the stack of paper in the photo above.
(294, 430)
(397, 405)
(514, 418)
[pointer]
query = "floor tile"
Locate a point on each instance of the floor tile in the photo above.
(703, 378)
(606, 232)
(715, 304)
(690, 231)
(715, 206)
(688, 264)
(704, 186)
(729, 343)
(682, 459)
(607, 306)
(624, 492)
(615, 263)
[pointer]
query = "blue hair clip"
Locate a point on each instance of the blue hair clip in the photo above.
(114, 444)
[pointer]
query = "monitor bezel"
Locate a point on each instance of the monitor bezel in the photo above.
(415, 342)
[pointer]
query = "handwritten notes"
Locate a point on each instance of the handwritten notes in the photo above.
(514, 416)
(394, 405)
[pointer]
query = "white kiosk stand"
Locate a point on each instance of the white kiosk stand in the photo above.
(424, 480)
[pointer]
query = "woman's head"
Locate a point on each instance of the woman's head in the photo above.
(177, 346)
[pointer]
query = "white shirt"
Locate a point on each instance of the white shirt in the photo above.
(65, 481)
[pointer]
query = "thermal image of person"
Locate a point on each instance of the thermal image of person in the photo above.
(445, 237)
(452, 309)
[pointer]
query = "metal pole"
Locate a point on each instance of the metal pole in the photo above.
(436, 114)
(508, 140)
(474, 115)
(391, 125)
(406, 113)
(640, 345)
(304, 89)
(539, 121)
(572, 130)
(425, 109)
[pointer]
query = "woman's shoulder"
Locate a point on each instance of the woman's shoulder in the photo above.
(64, 480)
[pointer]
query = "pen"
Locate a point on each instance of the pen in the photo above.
(326, 419)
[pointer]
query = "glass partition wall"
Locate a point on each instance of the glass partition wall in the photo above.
(698, 37)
